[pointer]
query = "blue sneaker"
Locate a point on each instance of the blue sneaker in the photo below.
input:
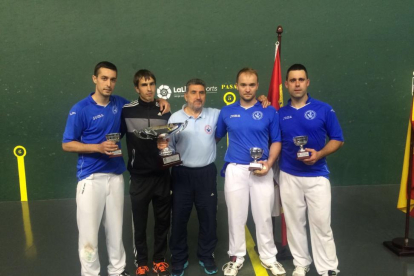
(209, 268)
(179, 271)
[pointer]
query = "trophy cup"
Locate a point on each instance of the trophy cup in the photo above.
(301, 141)
(115, 137)
(255, 153)
(167, 157)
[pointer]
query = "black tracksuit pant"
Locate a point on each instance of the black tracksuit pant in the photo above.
(143, 190)
(196, 186)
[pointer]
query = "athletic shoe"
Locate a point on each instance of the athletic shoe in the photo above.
(160, 268)
(124, 273)
(141, 270)
(179, 271)
(231, 268)
(331, 273)
(209, 268)
(276, 268)
(300, 270)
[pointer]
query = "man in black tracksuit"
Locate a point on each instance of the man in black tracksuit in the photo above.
(148, 181)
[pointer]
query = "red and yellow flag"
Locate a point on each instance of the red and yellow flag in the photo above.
(408, 161)
(275, 95)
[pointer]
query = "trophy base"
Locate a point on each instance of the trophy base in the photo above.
(117, 153)
(170, 160)
(255, 166)
(303, 155)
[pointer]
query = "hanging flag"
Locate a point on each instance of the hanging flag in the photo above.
(402, 198)
(275, 94)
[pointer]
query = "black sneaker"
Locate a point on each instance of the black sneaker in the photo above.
(209, 267)
(124, 273)
(331, 273)
(179, 271)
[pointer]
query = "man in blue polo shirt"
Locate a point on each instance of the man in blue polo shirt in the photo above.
(304, 181)
(250, 125)
(100, 190)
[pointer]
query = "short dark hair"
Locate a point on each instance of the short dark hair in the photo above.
(104, 64)
(296, 67)
(143, 73)
(195, 82)
(247, 70)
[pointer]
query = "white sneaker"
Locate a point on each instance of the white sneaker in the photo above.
(276, 268)
(300, 270)
(231, 268)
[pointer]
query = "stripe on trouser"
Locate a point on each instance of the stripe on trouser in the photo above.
(259, 270)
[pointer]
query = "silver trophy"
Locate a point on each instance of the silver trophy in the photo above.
(301, 141)
(255, 153)
(167, 156)
(115, 137)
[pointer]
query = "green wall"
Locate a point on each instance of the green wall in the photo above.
(359, 54)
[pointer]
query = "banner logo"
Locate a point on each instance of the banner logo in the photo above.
(164, 92)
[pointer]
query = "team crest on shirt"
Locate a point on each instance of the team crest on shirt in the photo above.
(114, 109)
(257, 115)
(310, 115)
(208, 129)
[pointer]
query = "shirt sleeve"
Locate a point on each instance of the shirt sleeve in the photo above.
(221, 129)
(74, 126)
(123, 124)
(333, 128)
(275, 129)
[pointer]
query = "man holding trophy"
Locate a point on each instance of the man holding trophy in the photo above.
(92, 128)
(150, 178)
(304, 177)
(250, 128)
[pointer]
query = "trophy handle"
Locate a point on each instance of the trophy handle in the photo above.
(182, 127)
(140, 135)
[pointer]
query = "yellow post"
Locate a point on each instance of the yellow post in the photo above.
(229, 98)
(20, 153)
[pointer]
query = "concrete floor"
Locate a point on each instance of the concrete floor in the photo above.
(45, 241)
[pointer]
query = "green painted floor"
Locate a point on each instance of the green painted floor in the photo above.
(362, 218)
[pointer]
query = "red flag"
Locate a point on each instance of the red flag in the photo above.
(275, 94)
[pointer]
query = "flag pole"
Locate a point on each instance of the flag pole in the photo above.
(405, 246)
(279, 32)
(283, 251)
(409, 188)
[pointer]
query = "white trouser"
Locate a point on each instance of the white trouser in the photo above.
(100, 197)
(313, 193)
(240, 184)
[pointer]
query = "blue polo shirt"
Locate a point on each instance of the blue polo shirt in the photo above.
(318, 121)
(252, 127)
(88, 123)
(196, 143)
